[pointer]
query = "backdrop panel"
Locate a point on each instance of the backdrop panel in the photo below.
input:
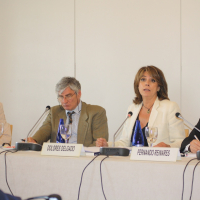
(114, 39)
(191, 60)
(36, 50)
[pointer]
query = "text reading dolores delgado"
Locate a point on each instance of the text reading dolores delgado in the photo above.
(61, 149)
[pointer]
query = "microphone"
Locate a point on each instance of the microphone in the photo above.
(181, 117)
(129, 115)
(31, 146)
(115, 151)
(50, 197)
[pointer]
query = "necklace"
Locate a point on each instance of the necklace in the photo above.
(148, 109)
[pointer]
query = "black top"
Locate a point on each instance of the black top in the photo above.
(143, 131)
(191, 137)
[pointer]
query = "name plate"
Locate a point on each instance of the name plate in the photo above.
(154, 153)
(61, 149)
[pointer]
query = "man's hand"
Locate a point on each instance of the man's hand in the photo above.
(31, 140)
(101, 142)
(194, 146)
(162, 144)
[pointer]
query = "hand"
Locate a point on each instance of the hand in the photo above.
(194, 146)
(162, 144)
(101, 142)
(31, 140)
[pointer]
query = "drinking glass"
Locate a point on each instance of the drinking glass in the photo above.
(151, 134)
(1, 129)
(65, 132)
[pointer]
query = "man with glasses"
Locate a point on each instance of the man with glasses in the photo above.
(89, 122)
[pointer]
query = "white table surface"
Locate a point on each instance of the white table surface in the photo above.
(30, 174)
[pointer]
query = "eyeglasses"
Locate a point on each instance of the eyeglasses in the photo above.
(66, 97)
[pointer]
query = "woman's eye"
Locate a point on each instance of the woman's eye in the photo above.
(153, 80)
(142, 79)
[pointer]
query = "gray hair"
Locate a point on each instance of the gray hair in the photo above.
(70, 82)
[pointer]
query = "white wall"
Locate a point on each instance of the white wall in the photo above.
(101, 42)
(190, 60)
(114, 39)
(36, 50)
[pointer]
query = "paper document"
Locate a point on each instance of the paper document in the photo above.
(192, 155)
(92, 149)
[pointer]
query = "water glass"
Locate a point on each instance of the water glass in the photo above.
(151, 134)
(65, 132)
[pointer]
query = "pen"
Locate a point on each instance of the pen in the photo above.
(196, 137)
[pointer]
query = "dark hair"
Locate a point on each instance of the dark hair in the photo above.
(158, 75)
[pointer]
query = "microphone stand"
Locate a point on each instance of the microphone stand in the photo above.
(117, 131)
(116, 151)
(47, 108)
(179, 116)
(23, 146)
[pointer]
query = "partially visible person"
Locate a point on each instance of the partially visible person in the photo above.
(6, 137)
(89, 122)
(4, 196)
(190, 143)
(154, 109)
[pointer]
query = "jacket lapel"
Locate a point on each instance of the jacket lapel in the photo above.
(62, 115)
(82, 125)
(154, 113)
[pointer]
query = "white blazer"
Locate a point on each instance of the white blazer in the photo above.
(6, 137)
(170, 129)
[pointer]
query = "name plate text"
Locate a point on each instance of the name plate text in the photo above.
(154, 153)
(61, 149)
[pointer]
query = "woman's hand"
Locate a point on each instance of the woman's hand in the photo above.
(162, 144)
(101, 142)
(194, 146)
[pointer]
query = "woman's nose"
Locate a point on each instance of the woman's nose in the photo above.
(147, 83)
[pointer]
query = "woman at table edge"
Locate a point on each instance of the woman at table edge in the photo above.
(6, 137)
(154, 109)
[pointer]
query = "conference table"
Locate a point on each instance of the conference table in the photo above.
(31, 174)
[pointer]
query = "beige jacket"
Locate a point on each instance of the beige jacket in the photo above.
(92, 125)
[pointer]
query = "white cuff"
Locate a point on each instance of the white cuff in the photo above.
(187, 148)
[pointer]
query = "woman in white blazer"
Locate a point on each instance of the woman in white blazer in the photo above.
(6, 137)
(154, 109)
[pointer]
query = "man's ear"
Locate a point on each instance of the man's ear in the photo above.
(79, 94)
